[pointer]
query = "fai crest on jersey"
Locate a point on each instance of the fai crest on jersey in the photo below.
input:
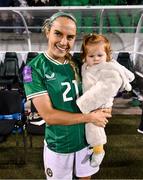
(49, 172)
(50, 77)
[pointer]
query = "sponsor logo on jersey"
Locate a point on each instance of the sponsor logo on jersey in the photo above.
(50, 77)
(27, 74)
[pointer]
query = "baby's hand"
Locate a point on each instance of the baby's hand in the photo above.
(107, 110)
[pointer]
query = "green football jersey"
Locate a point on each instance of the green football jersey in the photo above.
(44, 75)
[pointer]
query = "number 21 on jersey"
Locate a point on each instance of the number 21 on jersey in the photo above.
(68, 89)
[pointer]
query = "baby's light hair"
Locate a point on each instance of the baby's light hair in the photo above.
(92, 39)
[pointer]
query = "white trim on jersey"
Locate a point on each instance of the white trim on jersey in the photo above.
(36, 94)
(53, 60)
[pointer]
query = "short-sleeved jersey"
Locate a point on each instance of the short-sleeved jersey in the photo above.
(45, 75)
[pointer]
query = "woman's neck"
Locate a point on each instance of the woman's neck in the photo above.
(62, 61)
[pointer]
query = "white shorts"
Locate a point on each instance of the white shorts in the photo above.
(63, 166)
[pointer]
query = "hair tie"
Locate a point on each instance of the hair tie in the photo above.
(61, 14)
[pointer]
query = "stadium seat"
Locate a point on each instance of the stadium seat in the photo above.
(139, 84)
(11, 55)
(78, 16)
(113, 2)
(140, 128)
(88, 23)
(138, 68)
(94, 2)
(106, 24)
(1, 69)
(12, 118)
(85, 2)
(124, 59)
(105, 2)
(121, 2)
(97, 22)
(126, 21)
(35, 125)
(75, 3)
(11, 68)
(114, 22)
(21, 67)
(30, 56)
(65, 3)
(10, 71)
(77, 59)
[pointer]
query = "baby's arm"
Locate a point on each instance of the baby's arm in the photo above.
(100, 94)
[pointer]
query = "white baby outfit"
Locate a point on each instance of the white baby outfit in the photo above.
(101, 83)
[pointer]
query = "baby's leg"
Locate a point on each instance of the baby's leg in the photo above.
(98, 155)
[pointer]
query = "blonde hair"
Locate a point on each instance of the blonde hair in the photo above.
(48, 22)
(95, 39)
(47, 26)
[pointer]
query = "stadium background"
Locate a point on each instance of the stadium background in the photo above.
(122, 23)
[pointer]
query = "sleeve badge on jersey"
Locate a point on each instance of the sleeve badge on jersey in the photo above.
(27, 74)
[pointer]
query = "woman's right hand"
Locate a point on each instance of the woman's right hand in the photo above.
(99, 117)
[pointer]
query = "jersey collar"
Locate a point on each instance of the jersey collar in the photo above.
(54, 61)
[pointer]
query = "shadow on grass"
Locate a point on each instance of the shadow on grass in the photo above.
(123, 124)
(125, 129)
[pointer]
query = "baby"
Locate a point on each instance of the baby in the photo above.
(102, 79)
